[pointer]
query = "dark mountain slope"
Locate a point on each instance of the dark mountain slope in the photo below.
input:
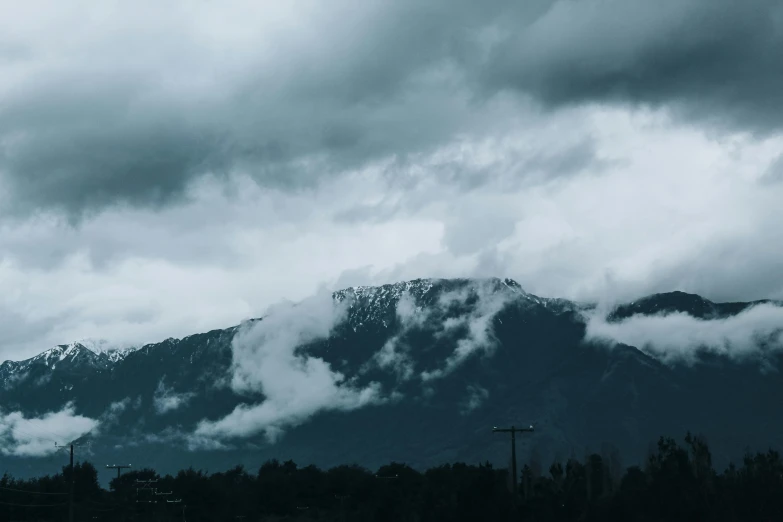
(448, 358)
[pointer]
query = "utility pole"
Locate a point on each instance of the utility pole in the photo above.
(513, 431)
(73, 479)
(119, 468)
(70, 495)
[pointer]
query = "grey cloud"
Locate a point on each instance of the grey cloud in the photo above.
(468, 233)
(165, 399)
(34, 437)
(678, 337)
(512, 160)
(471, 331)
(295, 385)
(268, 361)
(291, 113)
(749, 269)
(476, 397)
(101, 131)
(11, 51)
(18, 329)
(393, 356)
(116, 408)
(774, 173)
(571, 160)
(401, 78)
(112, 414)
(78, 154)
(716, 60)
(360, 276)
(479, 336)
(394, 353)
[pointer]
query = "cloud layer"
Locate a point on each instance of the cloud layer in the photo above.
(270, 359)
(696, 57)
(679, 337)
(476, 322)
(36, 437)
(172, 169)
(213, 89)
(166, 399)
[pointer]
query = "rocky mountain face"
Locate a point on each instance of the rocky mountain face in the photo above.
(415, 372)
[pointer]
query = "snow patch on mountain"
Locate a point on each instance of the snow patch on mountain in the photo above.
(86, 350)
(446, 308)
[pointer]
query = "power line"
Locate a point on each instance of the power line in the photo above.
(73, 481)
(31, 492)
(99, 510)
(33, 505)
(102, 503)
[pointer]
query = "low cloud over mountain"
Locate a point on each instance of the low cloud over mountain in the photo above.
(308, 380)
(23, 436)
(269, 361)
(680, 337)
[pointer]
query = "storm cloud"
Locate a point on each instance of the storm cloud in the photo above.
(131, 111)
(147, 98)
(166, 169)
(711, 60)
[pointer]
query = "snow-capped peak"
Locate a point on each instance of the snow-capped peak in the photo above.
(57, 353)
(91, 349)
(96, 346)
(99, 347)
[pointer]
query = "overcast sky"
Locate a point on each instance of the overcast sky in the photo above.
(172, 167)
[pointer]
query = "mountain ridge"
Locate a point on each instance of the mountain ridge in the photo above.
(661, 302)
(427, 353)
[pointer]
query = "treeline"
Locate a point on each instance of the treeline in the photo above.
(676, 483)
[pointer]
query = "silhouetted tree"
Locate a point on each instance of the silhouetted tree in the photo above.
(677, 482)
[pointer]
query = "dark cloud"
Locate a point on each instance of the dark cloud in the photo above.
(717, 60)
(84, 136)
(133, 120)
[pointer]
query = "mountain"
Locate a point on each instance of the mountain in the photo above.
(417, 372)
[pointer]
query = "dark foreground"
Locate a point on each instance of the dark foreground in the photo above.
(677, 483)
